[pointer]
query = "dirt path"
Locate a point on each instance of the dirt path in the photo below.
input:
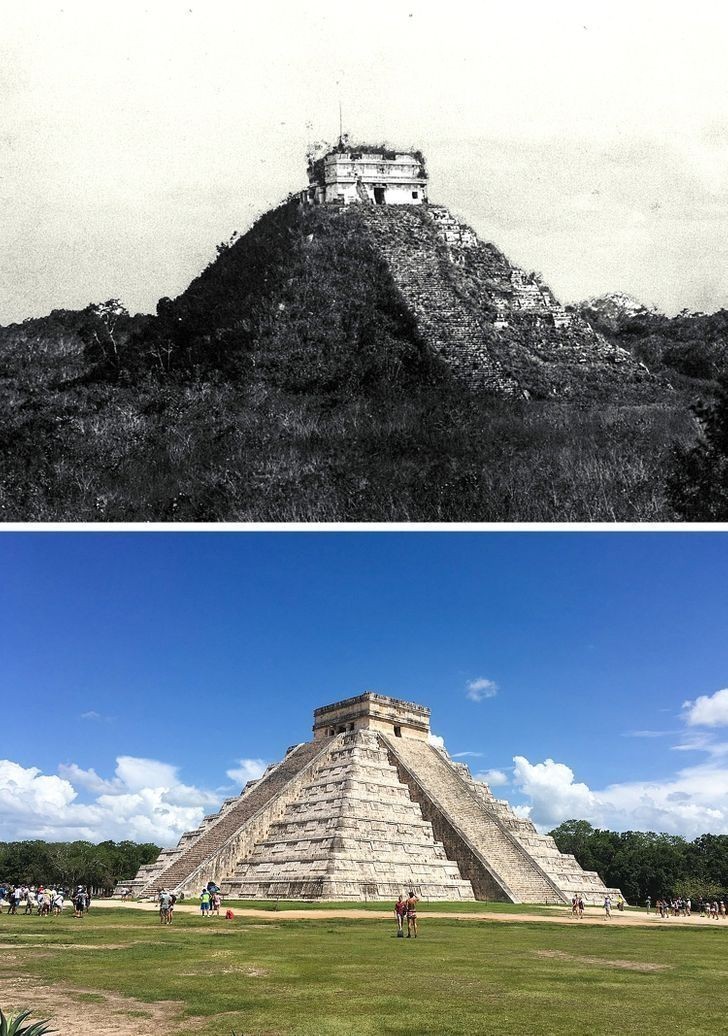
(592, 915)
(87, 1012)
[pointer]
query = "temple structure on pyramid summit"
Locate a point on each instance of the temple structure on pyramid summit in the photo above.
(367, 809)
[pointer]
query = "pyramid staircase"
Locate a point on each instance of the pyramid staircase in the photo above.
(211, 852)
(497, 864)
(562, 869)
(422, 273)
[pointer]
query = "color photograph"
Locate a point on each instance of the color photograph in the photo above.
(259, 769)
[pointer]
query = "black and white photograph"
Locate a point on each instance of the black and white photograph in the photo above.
(397, 263)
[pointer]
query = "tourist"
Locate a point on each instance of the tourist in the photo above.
(204, 902)
(215, 903)
(649, 904)
(172, 901)
(165, 899)
(580, 906)
(57, 904)
(80, 902)
(411, 905)
(620, 904)
(608, 906)
(574, 905)
(29, 901)
(400, 910)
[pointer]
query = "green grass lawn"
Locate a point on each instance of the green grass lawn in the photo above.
(322, 977)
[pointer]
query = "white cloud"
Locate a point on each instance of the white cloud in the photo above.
(462, 755)
(551, 788)
(435, 740)
(96, 717)
(144, 800)
(247, 770)
(708, 710)
(691, 802)
(493, 778)
(28, 790)
(480, 688)
(647, 733)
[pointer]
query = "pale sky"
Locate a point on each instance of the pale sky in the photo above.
(587, 140)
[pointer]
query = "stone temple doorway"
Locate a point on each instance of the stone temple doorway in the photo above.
(379, 196)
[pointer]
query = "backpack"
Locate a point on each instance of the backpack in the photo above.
(229, 915)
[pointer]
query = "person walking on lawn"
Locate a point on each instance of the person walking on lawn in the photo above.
(400, 911)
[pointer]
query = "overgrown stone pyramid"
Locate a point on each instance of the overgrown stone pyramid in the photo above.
(368, 809)
(312, 292)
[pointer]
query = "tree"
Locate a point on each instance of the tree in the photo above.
(102, 332)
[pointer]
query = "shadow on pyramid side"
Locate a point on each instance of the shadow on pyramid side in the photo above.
(367, 810)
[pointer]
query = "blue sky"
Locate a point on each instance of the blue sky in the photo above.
(146, 675)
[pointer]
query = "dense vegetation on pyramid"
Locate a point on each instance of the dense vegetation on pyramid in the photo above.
(361, 364)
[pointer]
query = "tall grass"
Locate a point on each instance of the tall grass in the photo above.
(218, 452)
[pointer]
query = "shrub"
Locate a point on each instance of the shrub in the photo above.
(15, 1027)
(698, 482)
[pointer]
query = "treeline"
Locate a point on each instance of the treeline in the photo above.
(687, 347)
(642, 863)
(66, 864)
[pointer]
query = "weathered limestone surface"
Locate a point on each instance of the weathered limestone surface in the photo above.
(366, 810)
(352, 833)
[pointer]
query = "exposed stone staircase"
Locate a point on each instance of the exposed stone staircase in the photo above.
(486, 850)
(200, 851)
(496, 327)
(458, 333)
(351, 833)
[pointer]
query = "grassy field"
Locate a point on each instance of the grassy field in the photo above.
(323, 977)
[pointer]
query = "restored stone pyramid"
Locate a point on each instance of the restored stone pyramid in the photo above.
(366, 810)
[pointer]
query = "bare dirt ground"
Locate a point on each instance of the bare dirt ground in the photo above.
(592, 915)
(86, 1012)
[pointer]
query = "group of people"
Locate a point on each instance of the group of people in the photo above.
(44, 900)
(166, 900)
(210, 900)
(210, 903)
(715, 909)
(406, 910)
(577, 905)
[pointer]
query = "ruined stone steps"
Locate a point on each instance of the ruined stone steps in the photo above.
(405, 239)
